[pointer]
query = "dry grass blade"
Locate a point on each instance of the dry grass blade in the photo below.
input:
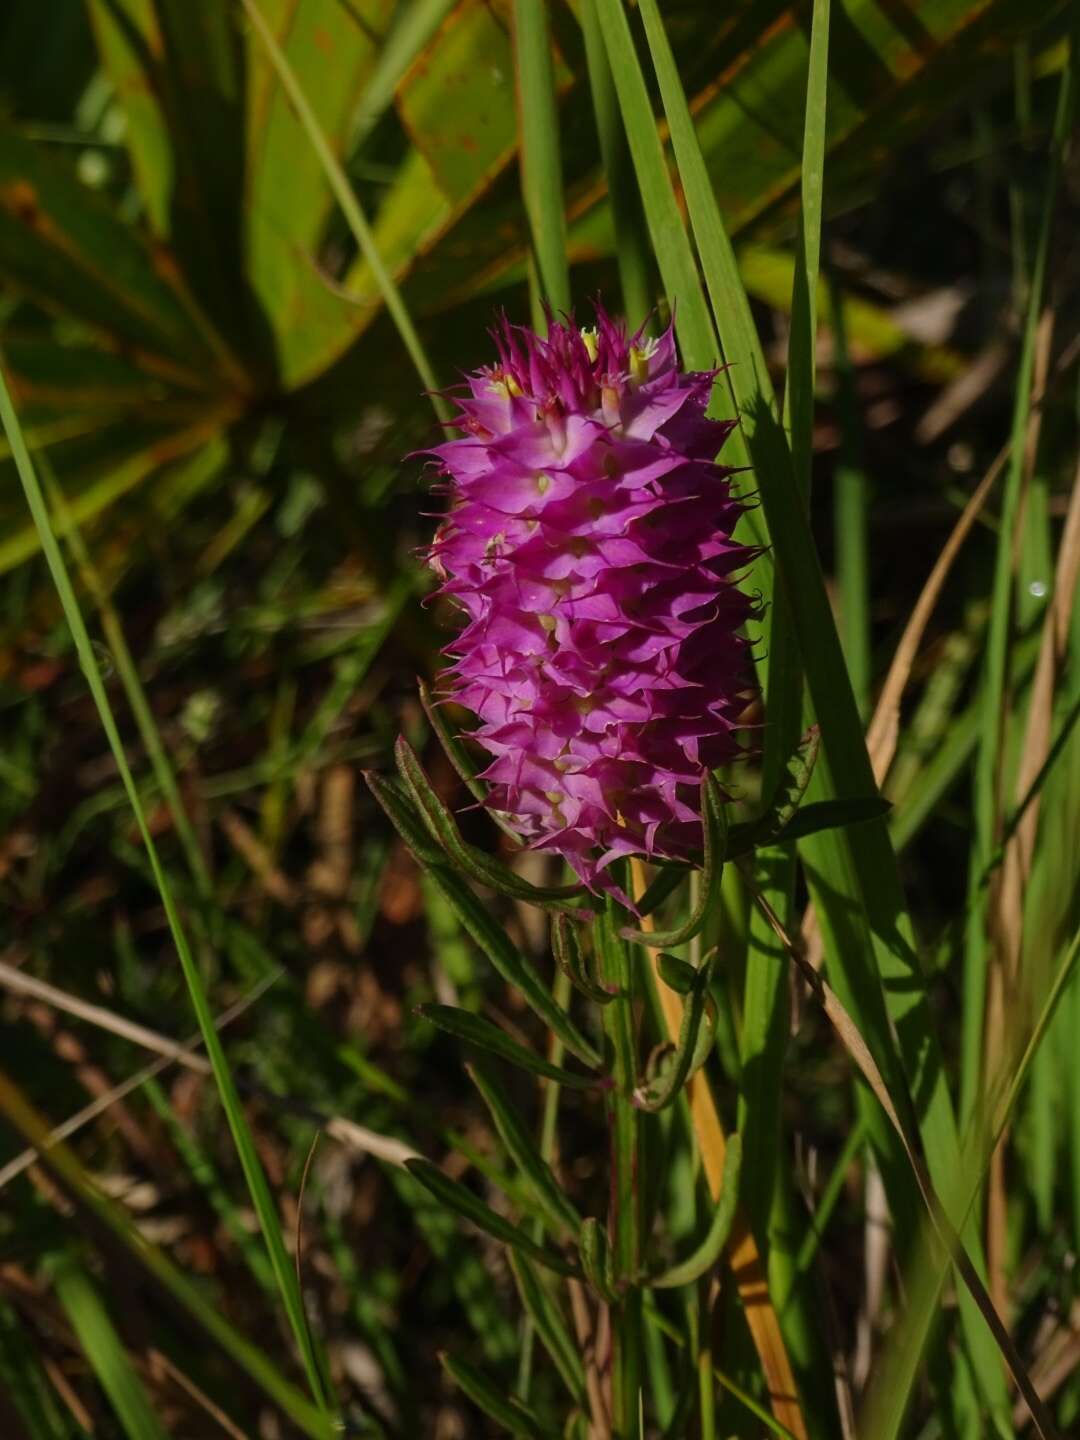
(102, 1103)
(745, 1261)
(884, 728)
(162, 1366)
(346, 1132)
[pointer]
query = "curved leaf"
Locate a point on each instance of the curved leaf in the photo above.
(708, 1252)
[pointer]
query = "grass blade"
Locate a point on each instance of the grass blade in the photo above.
(541, 167)
(509, 1413)
(188, 1294)
(106, 1352)
(671, 244)
(631, 241)
(992, 699)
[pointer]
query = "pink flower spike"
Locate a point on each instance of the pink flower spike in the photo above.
(588, 544)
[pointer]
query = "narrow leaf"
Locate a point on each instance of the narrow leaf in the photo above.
(458, 1197)
(596, 1259)
(106, 1352)
(509, 1413)
(541, 166)
(521, 1147)
(475, 1030)
(512, 964)
(545, 1314)
(475, 863)
(678, 974)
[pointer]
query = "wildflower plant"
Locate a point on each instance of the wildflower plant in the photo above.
(588, 552)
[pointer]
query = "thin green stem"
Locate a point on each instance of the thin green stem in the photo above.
(624, 1120)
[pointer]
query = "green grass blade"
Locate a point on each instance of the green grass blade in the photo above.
(245, 1146)
(350, 208)
(549, 1324)
(802, 343)
(511, 1415)
(414, 26)
(541, 166)
(850, 513)
(671, 244)
(459, 1198)
(25, 1386)
(631, 240)
(105, 1350)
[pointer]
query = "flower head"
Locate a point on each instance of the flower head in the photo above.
(589, 545)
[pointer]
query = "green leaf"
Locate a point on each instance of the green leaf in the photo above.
(262, 1198)
(455, 753)
(554, 1335)
(512, 965)
(289, 200)
(708, 1252)
(27, 1386)
(395, 801)
(127, 34)
(678, 975)
(558, 1209)
(597, 1260)
(671, 245)
(714, 834)
(121, 472)
(475, 863)
(511, 1414)
(834, 815)
(541, 166)
(105, 1350)
(475, 1030)
(694, 1045)
(500, 950)
(379, 272)
(459, 1198)
(566, 947)
(630, 239)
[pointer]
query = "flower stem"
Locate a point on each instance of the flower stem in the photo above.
(625, 1211)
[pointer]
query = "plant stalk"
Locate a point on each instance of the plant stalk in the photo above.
(625, 1216)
